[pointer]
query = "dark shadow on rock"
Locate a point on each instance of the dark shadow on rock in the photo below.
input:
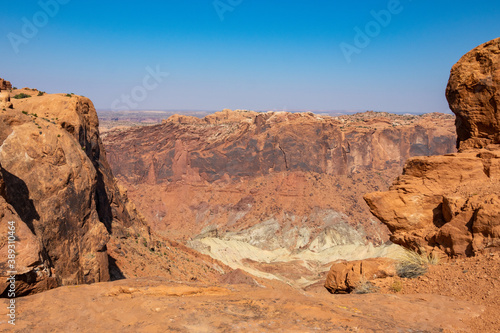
(438, 217)
(102, 202)
(114, 272)
(18, 196)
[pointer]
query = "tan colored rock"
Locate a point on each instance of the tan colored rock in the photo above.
(346, 276)
(5, 85)
(5, 100)
(473, 93)
(181, 119)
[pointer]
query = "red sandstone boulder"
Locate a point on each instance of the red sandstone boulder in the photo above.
(474, 96)
(346, 276)
(59, 191)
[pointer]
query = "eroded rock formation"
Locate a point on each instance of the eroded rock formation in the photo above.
(5, 85)
(58, 190)
(451, 202)
(474, 96)
(277, 194)
(234, 169)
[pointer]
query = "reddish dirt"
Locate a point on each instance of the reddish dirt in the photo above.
(475, 279)
(159, 305)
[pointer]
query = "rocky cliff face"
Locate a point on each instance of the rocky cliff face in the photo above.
(57, 188)
(252, 188)
(474, 96)
(236, 169)
(247, 144)
(451, 202)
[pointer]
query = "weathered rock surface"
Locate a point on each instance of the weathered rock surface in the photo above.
(473, 93)
(160, 305)
(346, 276)
(58, 189)
(4, 95)
(5, 85)
(233, 170)
(452, 202)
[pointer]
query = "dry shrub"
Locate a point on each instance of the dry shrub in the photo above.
(413, 264)
(365, 287)
(397, 286)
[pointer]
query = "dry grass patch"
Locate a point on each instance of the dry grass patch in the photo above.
(412, 264)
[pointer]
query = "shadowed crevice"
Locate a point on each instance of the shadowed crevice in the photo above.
(115, 272)
(18, 196)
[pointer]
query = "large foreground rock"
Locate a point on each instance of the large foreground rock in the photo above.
(452, 202)
(474, 96)
(346, 276)
(57, 188)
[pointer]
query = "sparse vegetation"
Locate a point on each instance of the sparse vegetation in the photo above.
(41, 93)
(25, 112)
(413, 264)
(365, 287)
(397, 286)
(21, 96)
(68, 95)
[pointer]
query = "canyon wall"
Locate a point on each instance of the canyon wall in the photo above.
(262, 189)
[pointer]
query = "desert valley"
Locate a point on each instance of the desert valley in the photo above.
(252, 221)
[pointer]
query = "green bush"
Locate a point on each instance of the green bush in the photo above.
(68, 95)
(21, 96)
(41, 93)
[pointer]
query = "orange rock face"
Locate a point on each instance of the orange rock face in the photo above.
(58, 190)
(451, 202)
(5, 85)
(235, 169)
(474, 96)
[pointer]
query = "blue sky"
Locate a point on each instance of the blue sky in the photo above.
(246, 54)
